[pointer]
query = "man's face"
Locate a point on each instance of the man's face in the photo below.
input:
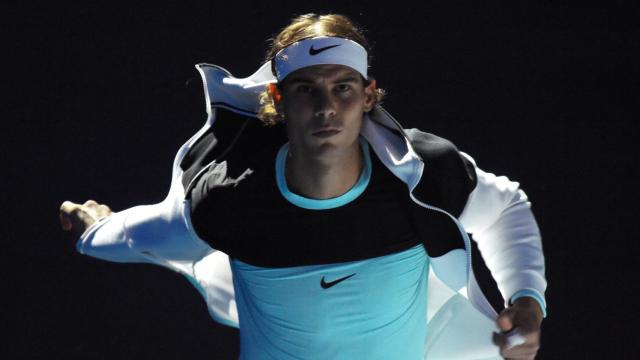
(323, 107)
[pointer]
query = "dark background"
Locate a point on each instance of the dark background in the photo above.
(100, 98)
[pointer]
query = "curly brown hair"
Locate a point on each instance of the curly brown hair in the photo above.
(308, 26)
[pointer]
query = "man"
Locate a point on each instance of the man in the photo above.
(341, 234)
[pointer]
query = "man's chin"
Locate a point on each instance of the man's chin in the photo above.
(333, 146)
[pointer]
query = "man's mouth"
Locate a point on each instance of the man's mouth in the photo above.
(326, 132)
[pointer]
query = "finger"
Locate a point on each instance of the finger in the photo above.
(80, 218)
(498, 339)
(104, 210)
(67, 206)
(505, 320)
(90, 203)
(77, 216)
(65, 222)
(66, 209)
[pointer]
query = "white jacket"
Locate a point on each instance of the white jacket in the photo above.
(460, 319)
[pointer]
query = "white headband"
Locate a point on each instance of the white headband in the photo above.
(321, 50)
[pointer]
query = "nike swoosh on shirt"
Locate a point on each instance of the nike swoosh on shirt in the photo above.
(326, 285)
(313, 51)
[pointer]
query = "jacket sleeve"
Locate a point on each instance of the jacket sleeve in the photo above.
(159, 234)
(163, 234)
(498, 215)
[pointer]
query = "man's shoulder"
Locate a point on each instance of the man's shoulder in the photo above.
(449, 176)
(439, 154)
(430, 146)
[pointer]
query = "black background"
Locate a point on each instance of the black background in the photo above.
(101, 96)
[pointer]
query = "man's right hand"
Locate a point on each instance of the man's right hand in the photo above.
(78, 218)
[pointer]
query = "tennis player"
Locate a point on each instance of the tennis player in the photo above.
(311, 220)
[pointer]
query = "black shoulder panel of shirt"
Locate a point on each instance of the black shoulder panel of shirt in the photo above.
(446, 183)
(448, 176)
(221, 138)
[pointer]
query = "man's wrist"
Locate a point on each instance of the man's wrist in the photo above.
(534, 295)
(530, 303)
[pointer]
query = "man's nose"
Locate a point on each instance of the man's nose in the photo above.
(325, 105)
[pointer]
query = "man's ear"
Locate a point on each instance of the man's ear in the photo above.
(274, 91)
(370, 96)
(276, 94)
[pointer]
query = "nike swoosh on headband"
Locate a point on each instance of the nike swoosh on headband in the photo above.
(313, 51)
(326, 285)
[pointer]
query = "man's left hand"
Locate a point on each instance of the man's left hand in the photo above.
(526, 315)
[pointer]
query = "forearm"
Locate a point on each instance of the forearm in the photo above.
(106, 239)
(512, 249)
(499, 216)
(158, 234)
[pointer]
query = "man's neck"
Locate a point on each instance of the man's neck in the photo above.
(321, 178)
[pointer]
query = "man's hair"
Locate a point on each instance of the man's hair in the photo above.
(304, 27)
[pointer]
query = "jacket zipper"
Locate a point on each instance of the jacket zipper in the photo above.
(467, 243)
(465, 237)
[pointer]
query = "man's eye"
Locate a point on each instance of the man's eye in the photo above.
(304, 89)
(343, 87)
